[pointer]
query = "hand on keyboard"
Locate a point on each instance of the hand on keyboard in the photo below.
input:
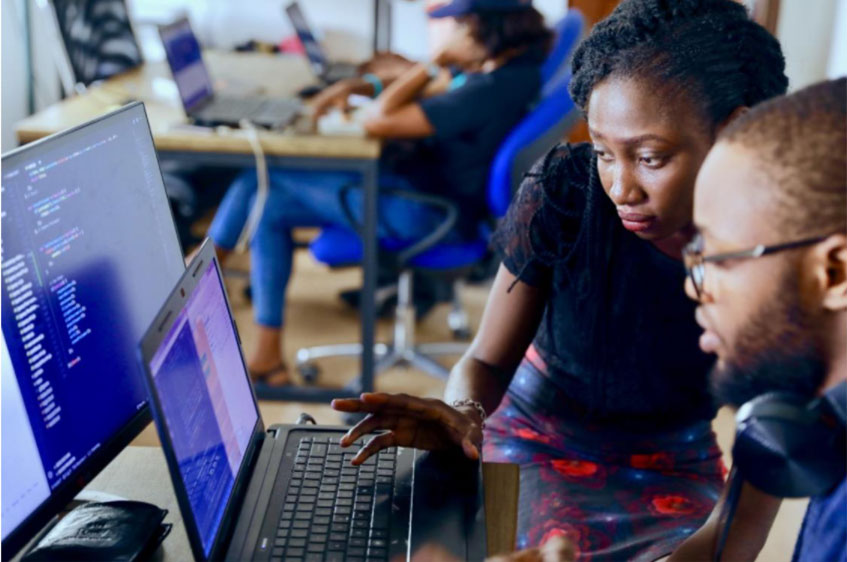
(423, 423)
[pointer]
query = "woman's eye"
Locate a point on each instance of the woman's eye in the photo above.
(651, 161)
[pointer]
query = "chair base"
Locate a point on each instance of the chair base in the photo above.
(403, 351)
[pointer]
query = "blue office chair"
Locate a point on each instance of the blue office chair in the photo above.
(567, 34)
(543, 127)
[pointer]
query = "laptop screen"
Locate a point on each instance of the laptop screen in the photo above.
(207, 404)
(186, 62)
(304, 33)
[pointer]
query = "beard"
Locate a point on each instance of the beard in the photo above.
(777, 350)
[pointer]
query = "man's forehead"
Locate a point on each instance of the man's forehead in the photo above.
(733, 201)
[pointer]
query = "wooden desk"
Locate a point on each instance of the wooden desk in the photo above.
(293, 149)
(237, 72)
(140, 473)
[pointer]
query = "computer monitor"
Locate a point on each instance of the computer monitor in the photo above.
(98, 38)
(186, 62)
(304, 32)
(89, 253)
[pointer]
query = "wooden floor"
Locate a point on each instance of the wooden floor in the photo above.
(315, 315)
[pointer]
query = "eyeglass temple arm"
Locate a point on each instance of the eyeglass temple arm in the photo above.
(762, 250)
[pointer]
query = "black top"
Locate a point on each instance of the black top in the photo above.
(618, 333)
(470, 122)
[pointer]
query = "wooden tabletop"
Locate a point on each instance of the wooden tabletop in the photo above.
(246, 73)
(141, 473)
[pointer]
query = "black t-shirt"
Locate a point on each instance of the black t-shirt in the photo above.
(470, 122)
(618, 334)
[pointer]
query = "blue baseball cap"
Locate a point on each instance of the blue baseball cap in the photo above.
(463, 7)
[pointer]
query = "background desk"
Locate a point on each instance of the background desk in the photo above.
(141, 473)
(274, 75)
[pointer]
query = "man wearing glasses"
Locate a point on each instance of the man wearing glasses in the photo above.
(769, 270)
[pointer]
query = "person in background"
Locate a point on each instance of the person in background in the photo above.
(587, 356)
(454, 129)
(776, 319)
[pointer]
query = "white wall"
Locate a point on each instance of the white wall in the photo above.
(13, 90)
(13, 50)
(838, 56)
(805, 30)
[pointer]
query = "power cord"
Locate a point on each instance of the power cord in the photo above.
(262, 188)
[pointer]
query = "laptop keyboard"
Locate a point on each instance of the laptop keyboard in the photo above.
(259, 110)
(334, 511)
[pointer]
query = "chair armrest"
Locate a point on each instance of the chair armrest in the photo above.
(442, 230)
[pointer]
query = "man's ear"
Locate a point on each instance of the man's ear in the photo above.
(736, 113)
(830, 271)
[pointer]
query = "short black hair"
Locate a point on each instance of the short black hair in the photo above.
(500, 32)
(799, 142)
(708, 49)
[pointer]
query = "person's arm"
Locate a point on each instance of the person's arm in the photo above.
(337, 94)
(748, 531)
(508, 326)
(509, 323)
(395, 114)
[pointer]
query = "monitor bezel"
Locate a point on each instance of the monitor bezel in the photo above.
(93, 465)
(153, 337)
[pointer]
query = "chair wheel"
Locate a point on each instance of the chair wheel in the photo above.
(309, 372)
(462, 334)
(352, 418)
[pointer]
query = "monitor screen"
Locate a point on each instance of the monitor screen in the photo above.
(98, 38)
(207, 405)
(186, 62)
(307, 39)
(89, 253)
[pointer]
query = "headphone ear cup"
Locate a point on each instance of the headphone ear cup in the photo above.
(786, 449)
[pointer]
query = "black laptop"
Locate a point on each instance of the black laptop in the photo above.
(202, 104)
(327, 71)
(287, 492)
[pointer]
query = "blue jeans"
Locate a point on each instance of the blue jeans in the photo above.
(300, 199)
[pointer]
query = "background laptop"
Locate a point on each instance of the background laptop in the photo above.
(324, 69)
(201, 103)
(288, 492)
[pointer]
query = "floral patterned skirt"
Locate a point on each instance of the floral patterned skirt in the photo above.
(616, 495)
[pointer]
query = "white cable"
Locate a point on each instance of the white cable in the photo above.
(262, 188)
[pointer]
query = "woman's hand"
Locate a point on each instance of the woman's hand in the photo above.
(556, 549)
(334, 96)
(423, 423)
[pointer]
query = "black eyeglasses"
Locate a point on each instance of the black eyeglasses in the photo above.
(695, 261)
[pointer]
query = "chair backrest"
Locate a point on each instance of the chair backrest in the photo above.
(98, 38)
(567, 33)
(541, 129)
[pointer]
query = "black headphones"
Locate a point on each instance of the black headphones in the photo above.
(787, 447)
(791, 448)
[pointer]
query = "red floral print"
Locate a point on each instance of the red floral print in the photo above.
(658, 461)
(531, 435)
(573, 467)
(673, 505)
